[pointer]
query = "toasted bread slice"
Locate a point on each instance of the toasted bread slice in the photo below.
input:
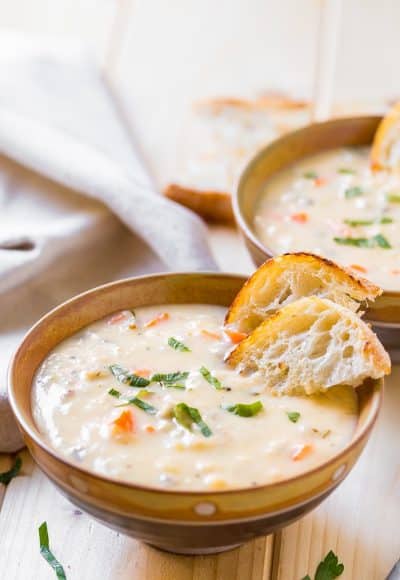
(385, 151)
(286, 278)
(220, 137)
(311, 345)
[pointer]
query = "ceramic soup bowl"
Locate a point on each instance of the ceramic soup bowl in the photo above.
(186, 522)
(280, 154)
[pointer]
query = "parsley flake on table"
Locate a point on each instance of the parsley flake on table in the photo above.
(48, 554)
(328, 569)
(7, 476)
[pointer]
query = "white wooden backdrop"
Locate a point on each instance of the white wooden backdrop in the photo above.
(162, 54)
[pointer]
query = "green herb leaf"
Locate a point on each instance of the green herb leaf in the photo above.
(211, 379)
(114, 393)
(141, 405)
(353, 192)
(354, 223)
(7, 476)
(376, 241)
(393, 197)
(186, 416)
(177, 345)
(310, 175)
(170, 377)
(346, 170)
(127, 378)
(329, 568)
(47, 554)
(381, 241)
(294, 416)
(245, 410)
(175, 386)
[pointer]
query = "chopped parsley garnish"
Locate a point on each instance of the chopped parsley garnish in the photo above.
(186, 416)
(376, 241)
(211, 379)
(177, 345)
(328, 569)
(346, 170)
(310, 175)
(383, 220)
(293, 416)
(393, 197)
(353, 192)
(170, 377)
(141, 405)
(47, 553)
(7, 476)
(114, 393)
(244, 409)
(174, 380)
(127, 378)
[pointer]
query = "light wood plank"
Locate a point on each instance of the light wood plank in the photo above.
(91, 551)
(360, 520)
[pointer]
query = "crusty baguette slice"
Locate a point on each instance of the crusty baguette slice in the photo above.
(385, 150)
(286, 278)
(219, 137)
(311, 345)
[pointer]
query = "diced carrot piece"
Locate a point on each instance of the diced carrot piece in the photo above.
(117, 318)
(159, 318)
(320, 181)
(124, 423)
(301, 451)
(300, 218)
(150, 429)
(235, 336)
(145, 373)
(359, 268)
(209, 334)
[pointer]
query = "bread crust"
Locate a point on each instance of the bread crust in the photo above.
(213, 206)
(353, 288)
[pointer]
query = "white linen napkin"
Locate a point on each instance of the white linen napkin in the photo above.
(69, 178)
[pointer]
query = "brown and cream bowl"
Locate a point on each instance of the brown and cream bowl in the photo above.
(279, 156)
(187, 522)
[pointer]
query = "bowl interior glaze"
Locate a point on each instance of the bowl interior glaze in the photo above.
(315, 138)
(178, 521)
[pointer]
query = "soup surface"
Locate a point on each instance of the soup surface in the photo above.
(198, 425)
(333, 205)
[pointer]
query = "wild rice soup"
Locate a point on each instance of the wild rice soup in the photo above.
(145, 397)
(333, 205)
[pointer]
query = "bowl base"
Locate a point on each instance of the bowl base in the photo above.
(196, 551)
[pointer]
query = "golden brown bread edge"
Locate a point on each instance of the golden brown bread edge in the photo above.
(213, 206)
(274, 266)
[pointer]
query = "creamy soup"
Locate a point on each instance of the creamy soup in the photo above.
(333, 205)
(146, 397)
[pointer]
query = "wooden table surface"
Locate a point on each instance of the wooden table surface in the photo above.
(359, 521)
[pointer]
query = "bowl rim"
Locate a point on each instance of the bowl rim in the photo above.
(241, 221)
(33, 432)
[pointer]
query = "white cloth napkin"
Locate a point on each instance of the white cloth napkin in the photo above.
(69, 178)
